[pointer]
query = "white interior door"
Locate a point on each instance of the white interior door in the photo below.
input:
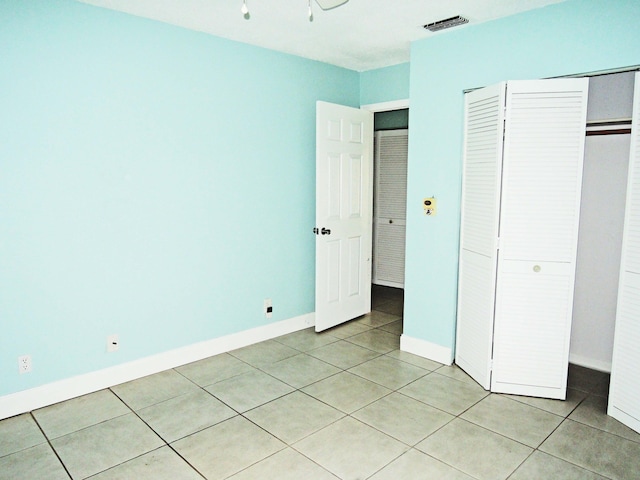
(624, 393)
(541, 183)
(344, 188)
(484, 126)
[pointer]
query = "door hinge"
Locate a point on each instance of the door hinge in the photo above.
(498, 243)
(491, 365)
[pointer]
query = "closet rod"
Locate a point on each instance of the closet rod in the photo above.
(620, 126)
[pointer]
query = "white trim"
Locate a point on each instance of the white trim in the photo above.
(386, 106)
(591, 363)
(386, 283)
(38, 397)
(425, 349)
(623, 417)
(631, 68)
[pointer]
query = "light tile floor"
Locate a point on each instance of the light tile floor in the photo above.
(344, 404)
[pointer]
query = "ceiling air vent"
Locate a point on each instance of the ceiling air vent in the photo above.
(447, 23)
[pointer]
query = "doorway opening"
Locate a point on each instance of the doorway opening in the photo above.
(391, 142)
(389, 210)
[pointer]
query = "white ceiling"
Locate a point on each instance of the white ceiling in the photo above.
(360, 35)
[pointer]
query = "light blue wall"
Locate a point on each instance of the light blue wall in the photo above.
(155, 182)
(576, 36)
(385, 84)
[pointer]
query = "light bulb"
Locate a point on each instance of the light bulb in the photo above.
(244, 9)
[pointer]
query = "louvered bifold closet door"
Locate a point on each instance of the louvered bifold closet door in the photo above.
(390, 207)
(540, 209)
(624, 394)
(482, 165)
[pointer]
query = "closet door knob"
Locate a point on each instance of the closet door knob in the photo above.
(536, 268)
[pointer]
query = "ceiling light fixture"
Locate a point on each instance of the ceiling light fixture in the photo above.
(446, 23)
(324, 5)
(329, 4)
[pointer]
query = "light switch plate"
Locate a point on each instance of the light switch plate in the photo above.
(430, 206)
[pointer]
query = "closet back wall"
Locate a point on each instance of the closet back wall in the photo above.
(604, 187)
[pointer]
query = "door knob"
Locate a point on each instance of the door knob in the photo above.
(325, 231)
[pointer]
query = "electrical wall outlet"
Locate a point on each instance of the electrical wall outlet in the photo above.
(268, 308)
(113, 343)
(24, 364)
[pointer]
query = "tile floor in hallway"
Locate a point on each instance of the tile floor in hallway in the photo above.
(345, 404)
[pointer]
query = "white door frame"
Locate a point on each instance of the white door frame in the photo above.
(385, 107)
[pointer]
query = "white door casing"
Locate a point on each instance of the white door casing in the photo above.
(624, 393)
(344, 188)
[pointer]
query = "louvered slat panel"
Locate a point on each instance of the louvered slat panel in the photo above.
(480, 230)
(543, 176)
(390, 207)
(632, 227)
(389, 260)
(391, 173)
(624, 395)
(540, 207)
(484, 110)
(529, 350)
(475, 316)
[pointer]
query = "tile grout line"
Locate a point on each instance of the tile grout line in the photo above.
(55, 452)
(345, 414)
(166, 443)
(287, 445)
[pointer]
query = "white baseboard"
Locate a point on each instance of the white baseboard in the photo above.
(590, 363)
(429, 350)
(624, 417)
(38, 397)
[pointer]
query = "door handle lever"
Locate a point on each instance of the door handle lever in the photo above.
(325, 231)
